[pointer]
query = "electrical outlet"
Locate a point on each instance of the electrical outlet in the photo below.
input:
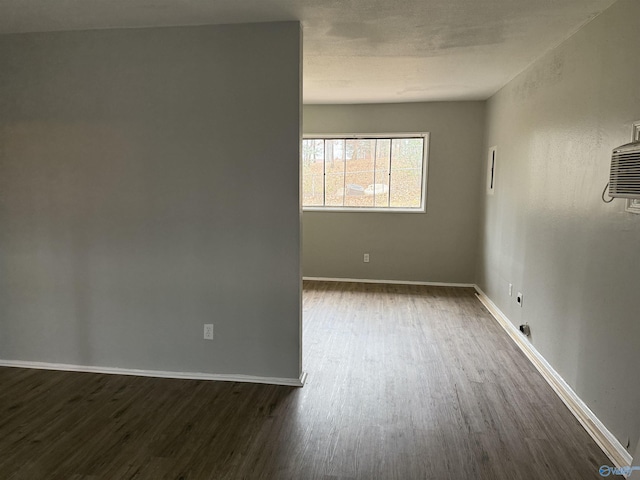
(208, 331)
(519, 299)
(511, 289)
(366, 258)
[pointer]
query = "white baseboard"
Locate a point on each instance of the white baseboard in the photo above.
(390, 282)
(594, 427)
(290, 382)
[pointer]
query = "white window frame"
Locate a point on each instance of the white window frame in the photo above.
(364, 136)
(633, 204)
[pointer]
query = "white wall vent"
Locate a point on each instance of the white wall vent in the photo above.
(624, 180)
(633, 204)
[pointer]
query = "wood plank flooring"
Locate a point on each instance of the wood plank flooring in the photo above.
(404, 382)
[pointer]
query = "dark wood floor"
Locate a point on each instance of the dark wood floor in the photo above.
(405, 382)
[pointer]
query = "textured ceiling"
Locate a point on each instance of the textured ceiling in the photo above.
(358, 51)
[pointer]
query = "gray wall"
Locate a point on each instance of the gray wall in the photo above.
(148, 185)
(546, 229)
(439, 246)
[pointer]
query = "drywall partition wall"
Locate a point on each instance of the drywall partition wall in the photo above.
(438, 246)
(149, 184)
(546, 229)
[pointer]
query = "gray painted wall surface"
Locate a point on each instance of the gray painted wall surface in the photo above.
(149, 184)
(546, 229)
(439, 246)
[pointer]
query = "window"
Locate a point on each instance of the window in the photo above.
(365, 172)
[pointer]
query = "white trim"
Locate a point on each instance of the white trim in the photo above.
(219, 377)
(594, 427)
(391, 282)
(636, 459)
(364, 209)
(357, 136)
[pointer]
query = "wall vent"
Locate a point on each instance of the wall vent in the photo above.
(624, 180)
(633, 204)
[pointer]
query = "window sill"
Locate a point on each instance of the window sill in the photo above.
(363, 210)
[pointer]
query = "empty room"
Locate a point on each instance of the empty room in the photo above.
(309, 239)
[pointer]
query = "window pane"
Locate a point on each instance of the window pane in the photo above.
(313, 172)
(383, 159)
(334, 173)
(352, 173)
(359, 174)
(406, 172)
